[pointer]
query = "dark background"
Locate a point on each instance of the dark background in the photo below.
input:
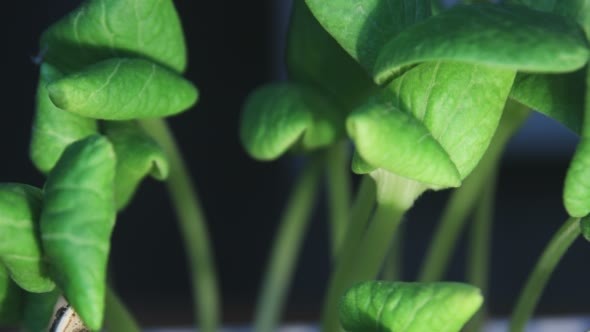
(235, 46)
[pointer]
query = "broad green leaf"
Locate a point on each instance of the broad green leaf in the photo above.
(138, 155)
(54, 129)
(38, 310)
(315, 58)
(579, 10)
(77, 219)
(510, 37)
(123, 89)
(11, 302)
(101, 29)
(362, 27)
(585, 225)
(576, 193)
(359, 165)
(278, 116)
(409, 307)
(433, 123)
(20, 248)
(559, 96)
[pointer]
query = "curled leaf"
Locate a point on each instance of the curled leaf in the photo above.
(315, 58)
(363, 27)
(509, 37)
(10, 299)
(409, 307)
(559, 96)
(101, 29)
(433, 123)
(576, 192)
(20, 248)
(138, 155)
(76, 223)
(54, 129)
(278, 116)
(38, 310)
(123, 89)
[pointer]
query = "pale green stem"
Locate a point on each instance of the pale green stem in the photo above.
(286, 246)
(393, 266)
(538, 279)
(463, 199)
(117, 316)
(363, 264)
(338, 190)
(478, 261)
(193, 229)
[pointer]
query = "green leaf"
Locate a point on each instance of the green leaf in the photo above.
(559, 96)
(361, 166)
(585, 225)
(315, 58)
(579, 10)
(542, 5)
(409, 307)
(363, 27)
(123, 89)
(433, 123)
(509, 37)
(53, 128)
(38, 310)
(20, 248)
(76, 223)
(10, 299)
(138, 155)
(277, 116)
(576, 193)
(101, 29)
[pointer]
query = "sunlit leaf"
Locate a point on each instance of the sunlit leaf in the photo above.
(54, 129)
(123, 89)
(278, 116)
(409, 307)
(138, 156)
(102, 29)
(76, 223)
(20, 247)
(510, 37)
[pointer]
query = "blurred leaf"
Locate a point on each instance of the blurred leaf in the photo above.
(559, 96)
(433, 123)
(138, 155)
(10, 300)
(76, 223)
(315, 58)
(576, 193)
(38, 310)
(409, 307)
(579, 10)
(510, 37)
(360, 166)
(123, 89)
(585, 225)
(277, 116)
(542, 5)
(20, 248)
(363, 27)
(53, 128)
(102, 29)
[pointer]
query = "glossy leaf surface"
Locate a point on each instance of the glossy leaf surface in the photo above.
(315, 58)
(576, 193)
(10, 299)
(138, 155)
(409, 307)
(38, 310)
(101, 29)
(123, 89)
(510, 37)
(20, 247)
(433, 123)
(278, 116)
(363, 27)
(54, 129)
(76, 223)
(559, 96)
